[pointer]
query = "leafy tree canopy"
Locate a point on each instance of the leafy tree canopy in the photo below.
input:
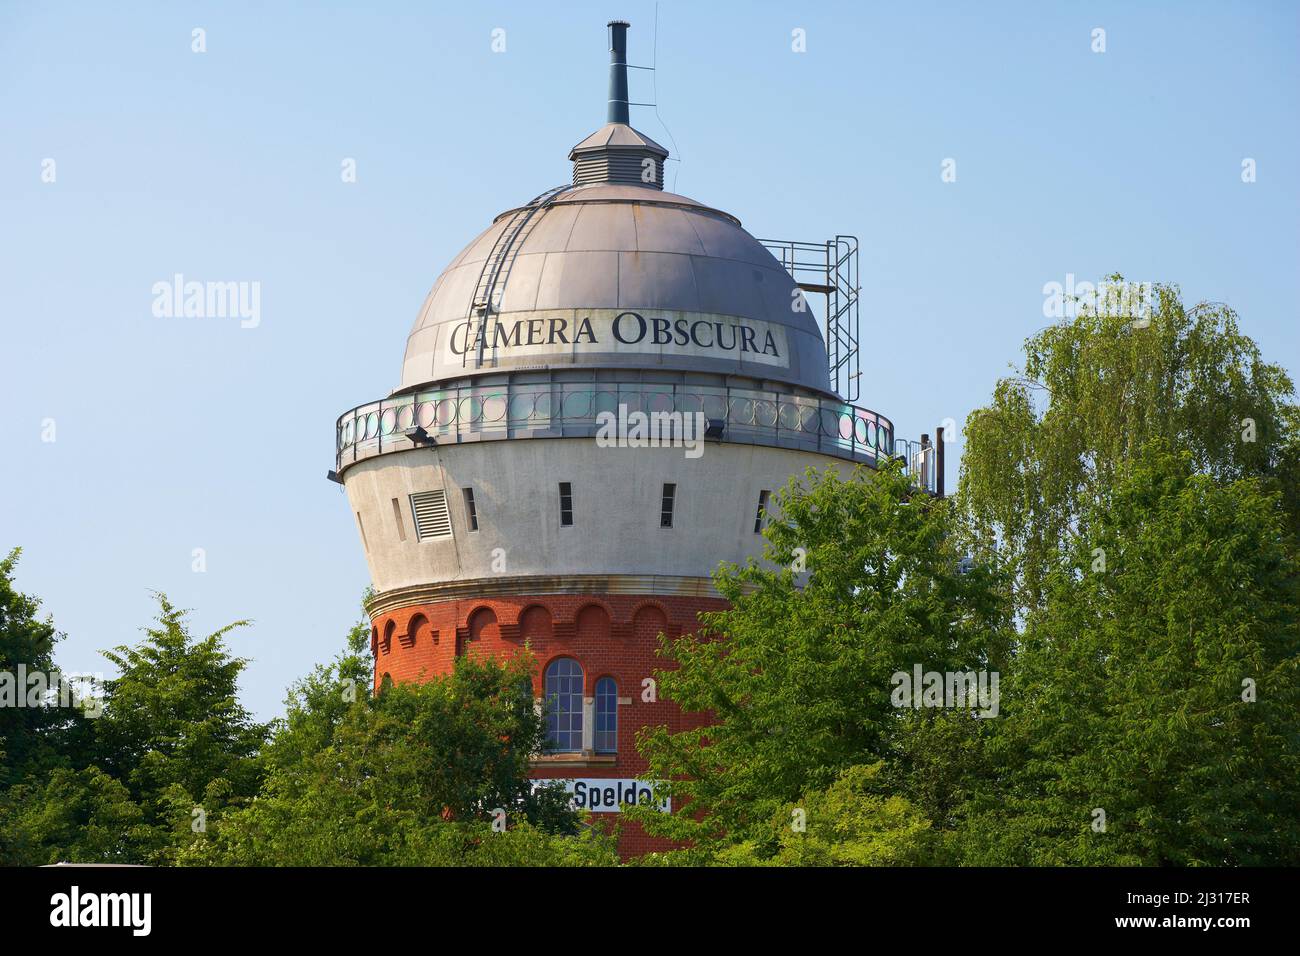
(1091, 394)
(799, 678)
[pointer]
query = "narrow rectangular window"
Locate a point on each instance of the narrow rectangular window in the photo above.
(666, 506)
(605, 739)
(362, 528)
(470, 509)
(762, 508)
(566, 504)
(397, 516)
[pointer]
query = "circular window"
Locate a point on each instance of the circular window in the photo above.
(446, 412)
(659, 402)
(494, 407)
(521, 406)
(606, 402)
(577, 405)
(860, 430)
(469, 409)
(846, 426)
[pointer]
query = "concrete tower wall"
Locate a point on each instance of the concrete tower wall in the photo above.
(616, 530)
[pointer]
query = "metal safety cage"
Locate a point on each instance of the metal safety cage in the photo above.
(830, 269)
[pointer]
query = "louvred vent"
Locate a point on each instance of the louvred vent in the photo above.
(432, 520)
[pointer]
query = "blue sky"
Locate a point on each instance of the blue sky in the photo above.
(176, 434)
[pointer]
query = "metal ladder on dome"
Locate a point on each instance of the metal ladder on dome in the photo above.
(496, 268)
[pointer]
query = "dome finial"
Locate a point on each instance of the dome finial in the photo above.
(617, 111)
(617, 153)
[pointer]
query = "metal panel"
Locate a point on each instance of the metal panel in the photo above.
(525, 278)
(552, 232)
(724, 241)
(479, 249)
(587, 277)
(657, 280)
(603, 226)
(732, 288)
(663, 229)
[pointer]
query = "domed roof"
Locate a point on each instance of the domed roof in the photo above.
(615, 276)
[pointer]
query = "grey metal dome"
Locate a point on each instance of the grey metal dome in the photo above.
(616, 276)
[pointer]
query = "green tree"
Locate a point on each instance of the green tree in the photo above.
(27, 734)
(81, 816)
(170, 739)
(1158, 684)
(36, 741)
(319, 702)
(173, 730)
(797, 674)
(413, 776)
(1095, 391)
(856, 821)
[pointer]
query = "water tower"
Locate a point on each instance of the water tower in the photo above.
(491, 513)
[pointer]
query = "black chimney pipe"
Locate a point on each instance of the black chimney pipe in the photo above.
(617, 111)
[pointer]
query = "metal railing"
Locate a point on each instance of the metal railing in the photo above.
(830, 268)
(560, 409)
(924, 462)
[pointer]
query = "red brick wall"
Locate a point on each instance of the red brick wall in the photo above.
(609, 635)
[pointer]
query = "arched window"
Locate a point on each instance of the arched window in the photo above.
(606, 741)
(564, 705)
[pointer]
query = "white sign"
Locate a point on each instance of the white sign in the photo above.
(608, 794)
(556, 334)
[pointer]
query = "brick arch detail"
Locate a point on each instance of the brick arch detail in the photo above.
(548, 630)
(672, 628)
(418, 630)
(594, 606)
(476, 622)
